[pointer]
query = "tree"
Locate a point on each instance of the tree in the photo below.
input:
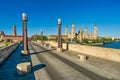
(45, 38)
(7, 40)
(85, 40)
(2, 40)
(75, 40)
(38, 37)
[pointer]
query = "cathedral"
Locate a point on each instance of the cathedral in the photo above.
(82, 34)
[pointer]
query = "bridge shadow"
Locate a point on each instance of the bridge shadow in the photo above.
(42, 51)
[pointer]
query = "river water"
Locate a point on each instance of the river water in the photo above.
(115, 45)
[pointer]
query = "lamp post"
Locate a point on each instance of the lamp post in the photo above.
(59, 49)
(25, 40)
(41, 36)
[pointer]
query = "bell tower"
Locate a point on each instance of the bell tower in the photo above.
(73, 31)
(14, 30)
(95, 32)
(66, 31)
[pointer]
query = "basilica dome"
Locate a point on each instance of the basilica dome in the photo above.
(1, 33)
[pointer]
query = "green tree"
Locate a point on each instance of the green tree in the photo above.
(85, 40)
(76, 40)
(7, 40)
(2, 40)
(38, 37)
(45, 38)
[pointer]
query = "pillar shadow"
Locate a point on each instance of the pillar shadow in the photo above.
(38, 67)
(41, 52)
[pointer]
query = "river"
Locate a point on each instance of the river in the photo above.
(115, 45)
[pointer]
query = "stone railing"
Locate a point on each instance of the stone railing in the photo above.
(6, 51)
(104, 53)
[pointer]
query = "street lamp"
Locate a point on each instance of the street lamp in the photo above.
(59, 49)
(41, 36)
(25, 40)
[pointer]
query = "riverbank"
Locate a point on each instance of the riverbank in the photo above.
(99, 44)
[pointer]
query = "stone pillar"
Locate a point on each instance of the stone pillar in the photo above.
(59, 49)
(25, 40)
(67, 45)
(41, 36)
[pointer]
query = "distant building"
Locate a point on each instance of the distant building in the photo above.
(80, 35)
(14, 37)
(85, 35)
(73, 33)
(54, 37)
(14, 31)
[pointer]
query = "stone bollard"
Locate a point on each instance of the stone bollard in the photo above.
(81, 57)
(23, 68)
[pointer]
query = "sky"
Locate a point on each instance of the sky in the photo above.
(43, 14)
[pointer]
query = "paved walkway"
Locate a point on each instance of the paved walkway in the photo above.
(100, 67)
(59, 68)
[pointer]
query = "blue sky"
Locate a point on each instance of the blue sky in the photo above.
(43, 14)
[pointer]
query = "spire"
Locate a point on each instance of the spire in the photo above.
(86, 30)
(80, 29)
(95, 32)
(66, 31)
(73, 31)
(14, 30)
(72, 22)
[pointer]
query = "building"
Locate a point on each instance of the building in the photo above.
(54, 37)
(85, 35)
(82, 34)
(14, 37)
(73, 33)
(14, 30)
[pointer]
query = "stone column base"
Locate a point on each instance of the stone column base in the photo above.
(23, 68)
(59, 49)
(25, 52)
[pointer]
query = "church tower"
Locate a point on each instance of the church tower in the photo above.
(80, 36)
(86, 33)
(14, 30)
(66, 31)
(73, 31)
(95, 32)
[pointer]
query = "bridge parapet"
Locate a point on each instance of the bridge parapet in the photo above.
(104, 53)
(6, 51)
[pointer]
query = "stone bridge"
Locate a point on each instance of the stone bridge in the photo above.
(104, 53)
